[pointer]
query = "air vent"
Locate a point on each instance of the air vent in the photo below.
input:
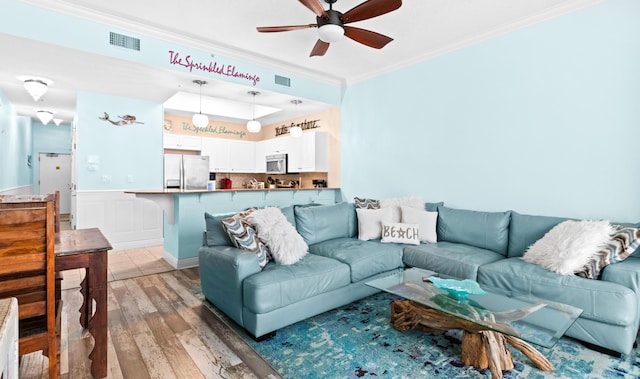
(121, 40)
(283, 81)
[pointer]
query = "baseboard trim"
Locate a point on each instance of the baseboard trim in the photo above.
(179, 264)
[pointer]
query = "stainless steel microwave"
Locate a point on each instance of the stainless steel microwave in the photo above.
(277, 164)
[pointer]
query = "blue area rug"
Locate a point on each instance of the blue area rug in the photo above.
(357, 341)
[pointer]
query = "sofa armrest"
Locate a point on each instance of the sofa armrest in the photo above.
(222, 271)
(626, 273)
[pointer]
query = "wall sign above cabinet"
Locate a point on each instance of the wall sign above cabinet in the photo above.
(213, 67)
(304, 125)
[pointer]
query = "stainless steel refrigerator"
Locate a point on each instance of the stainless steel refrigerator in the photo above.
(189, 172)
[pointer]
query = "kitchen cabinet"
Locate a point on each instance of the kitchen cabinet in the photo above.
(181, 142)
(309, 153)
(260, 162)
(229, 156)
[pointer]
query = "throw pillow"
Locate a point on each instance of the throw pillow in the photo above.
(370, 222)
(567, 247)
(285, 244)
(244, 236)
(365, 203)
(216, 235)
(426, 221)
(396, 202)
(400, 233)
(623, 243)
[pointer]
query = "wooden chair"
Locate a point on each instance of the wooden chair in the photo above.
(27, 272)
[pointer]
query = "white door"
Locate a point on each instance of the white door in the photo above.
(55, 175)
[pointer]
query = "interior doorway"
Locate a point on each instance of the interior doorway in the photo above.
(54, 174)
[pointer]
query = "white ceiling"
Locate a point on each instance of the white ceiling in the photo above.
(421, 29)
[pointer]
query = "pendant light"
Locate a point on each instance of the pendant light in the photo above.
(44, 116)
(254, 126)
(200, 120)
(296, 130)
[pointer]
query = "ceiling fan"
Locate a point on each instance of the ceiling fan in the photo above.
(332, 26)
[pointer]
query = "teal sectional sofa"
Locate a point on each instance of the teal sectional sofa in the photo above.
(484, 246)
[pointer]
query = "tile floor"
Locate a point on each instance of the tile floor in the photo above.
(123, 264)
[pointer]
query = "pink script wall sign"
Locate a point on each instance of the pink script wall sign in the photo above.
(213, 67)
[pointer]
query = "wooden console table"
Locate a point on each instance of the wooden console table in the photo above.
(87, 249)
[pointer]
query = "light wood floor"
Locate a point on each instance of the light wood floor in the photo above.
(157, 329)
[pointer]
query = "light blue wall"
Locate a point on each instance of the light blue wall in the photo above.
(15, 147)
(24, 20)
(49, 138)
(545, 120)
(118, 157)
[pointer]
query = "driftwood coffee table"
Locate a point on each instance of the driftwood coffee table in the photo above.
(489, 322)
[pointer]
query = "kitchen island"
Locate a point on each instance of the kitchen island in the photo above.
(184, 212)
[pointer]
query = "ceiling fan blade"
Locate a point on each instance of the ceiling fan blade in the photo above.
(315, 7)
(271, 29)
(370, 9)
(367, 37)
(320, 48)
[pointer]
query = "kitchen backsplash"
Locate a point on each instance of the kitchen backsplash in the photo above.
(240, 181)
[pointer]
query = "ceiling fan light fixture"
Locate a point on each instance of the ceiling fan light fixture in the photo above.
(330, 33)
(44, 116)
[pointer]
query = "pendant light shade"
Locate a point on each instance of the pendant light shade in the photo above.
(296, 131)
(253, 126)
(44, 116)
(36, 86)
(200, 120)
(57, 121)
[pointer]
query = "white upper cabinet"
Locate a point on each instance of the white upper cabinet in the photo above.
(229, 156)
(309, 153)
(181, 142)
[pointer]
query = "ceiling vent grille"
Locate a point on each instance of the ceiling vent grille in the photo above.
(283, 81)
(121, 40)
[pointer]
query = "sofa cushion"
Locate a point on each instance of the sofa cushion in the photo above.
(449, 259)
(400, 233)
(570, 245)
(278, 286)
(365, 258)
(600, 300)
(486, 230)
(524, 230)
(243, 235)
(370, 222)
(285, 244)
(216, 235)
(426, 220)
(325, 222)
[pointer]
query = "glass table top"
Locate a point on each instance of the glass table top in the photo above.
(533, 320)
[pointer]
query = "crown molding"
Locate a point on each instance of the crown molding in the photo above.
(197, 42)
(547, 14)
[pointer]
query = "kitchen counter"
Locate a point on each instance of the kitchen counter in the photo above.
(172, 191)
(184, 212)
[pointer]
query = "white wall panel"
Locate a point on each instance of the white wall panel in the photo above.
(127, 222)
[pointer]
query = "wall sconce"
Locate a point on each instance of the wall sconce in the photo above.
(254, 126)
(36, 86)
